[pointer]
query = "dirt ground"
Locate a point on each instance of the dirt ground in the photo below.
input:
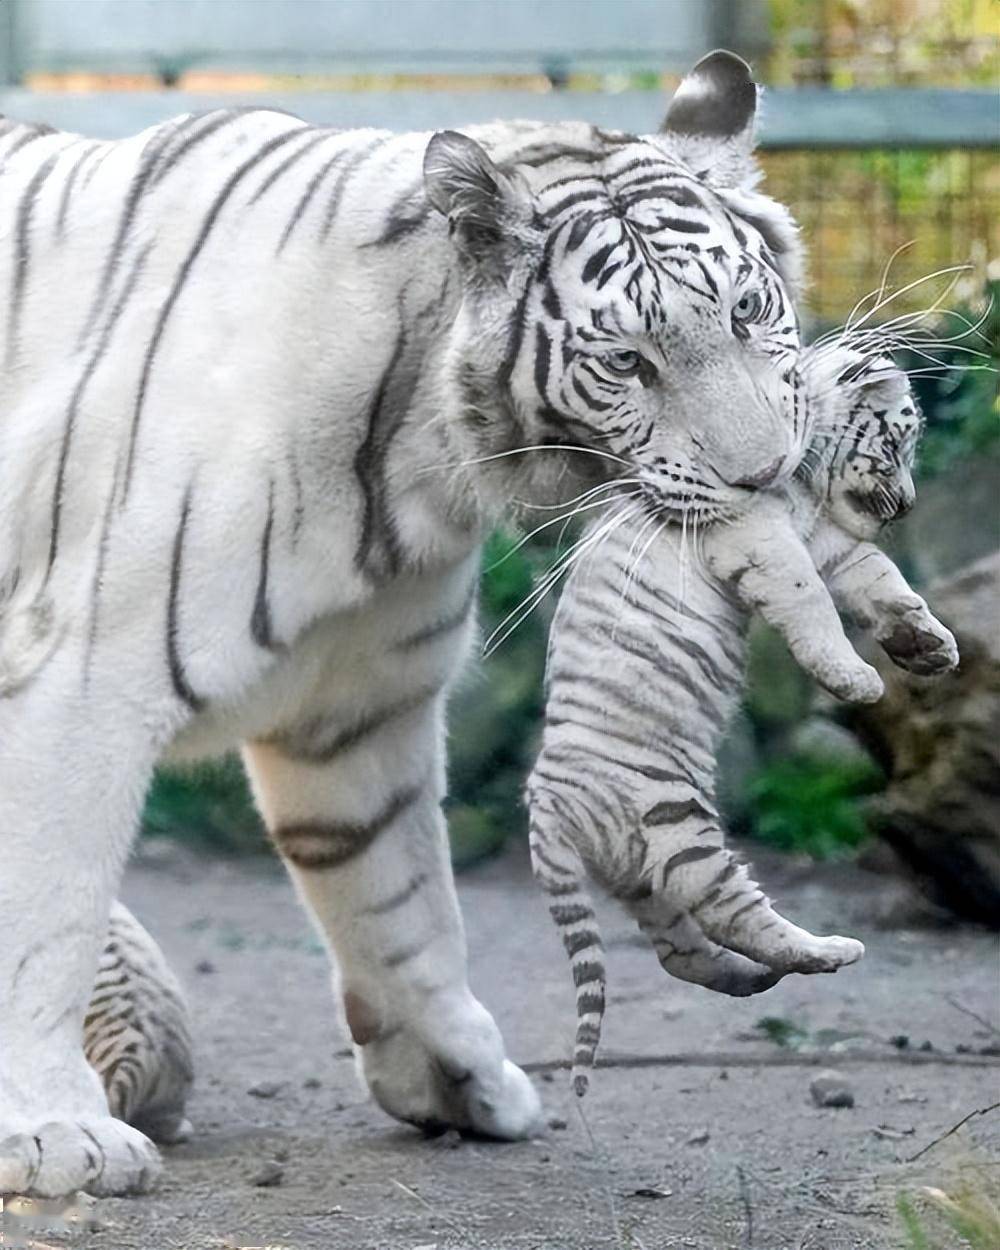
(699, 1133)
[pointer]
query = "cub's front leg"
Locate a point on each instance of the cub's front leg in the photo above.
(869, 586)
(355, 812)
(767, 568)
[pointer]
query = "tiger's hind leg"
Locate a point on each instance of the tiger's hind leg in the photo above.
(136, 1035)
(356, 816)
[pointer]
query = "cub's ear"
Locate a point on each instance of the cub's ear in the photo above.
(490, 210)
(710, 121)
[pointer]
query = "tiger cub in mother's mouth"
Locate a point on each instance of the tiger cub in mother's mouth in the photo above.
(645, 667)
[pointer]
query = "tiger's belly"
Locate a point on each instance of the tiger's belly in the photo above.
(351, 669)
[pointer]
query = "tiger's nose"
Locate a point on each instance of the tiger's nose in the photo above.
(763, 476)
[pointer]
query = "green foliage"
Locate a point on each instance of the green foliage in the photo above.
(207, 805)
(810, 803)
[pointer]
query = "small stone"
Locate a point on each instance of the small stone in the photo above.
(265, 1089)
(205, 967)
(900, 1041)
(830, 1089)
(312, 1082)
(926, 1046)
(270, 1175)
(548, 1077)
(700, 1138)
(557, 1124)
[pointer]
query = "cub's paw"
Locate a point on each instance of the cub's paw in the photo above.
(826, 954)
(918, 642)
(854, 681)
(439, 1078)
(102, 1156)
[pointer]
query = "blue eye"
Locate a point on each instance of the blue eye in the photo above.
(748, 307)
(624, 363)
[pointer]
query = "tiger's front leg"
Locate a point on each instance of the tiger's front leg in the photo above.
(356, 816)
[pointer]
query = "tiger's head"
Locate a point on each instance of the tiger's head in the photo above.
(867, 425)
(629, 296)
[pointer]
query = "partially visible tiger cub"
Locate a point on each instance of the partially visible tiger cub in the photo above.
(643, 676)
(136, 1035)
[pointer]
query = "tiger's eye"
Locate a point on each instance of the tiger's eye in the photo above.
(748, 307)
(624, 363)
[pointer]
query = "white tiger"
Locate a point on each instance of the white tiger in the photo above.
(643, 676)
(263, 386)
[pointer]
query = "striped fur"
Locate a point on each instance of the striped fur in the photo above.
(645, 666)
(136, 1035)
(265, 385)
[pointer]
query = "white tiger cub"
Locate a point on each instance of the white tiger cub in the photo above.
(136, 1034)
(642, 678)
(265, 386)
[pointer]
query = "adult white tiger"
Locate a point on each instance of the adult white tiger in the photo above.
(251, 385)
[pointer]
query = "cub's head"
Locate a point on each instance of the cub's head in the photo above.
(628, 296)
(867, 426)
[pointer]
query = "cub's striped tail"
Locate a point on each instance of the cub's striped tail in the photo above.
(560, 871)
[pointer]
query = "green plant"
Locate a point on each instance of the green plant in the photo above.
(811, 803)
(209, 804)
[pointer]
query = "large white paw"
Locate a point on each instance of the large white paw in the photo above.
(451, 1077)
(101, 1156)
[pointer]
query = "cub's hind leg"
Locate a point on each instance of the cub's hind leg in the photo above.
(73, 771)
(136, 1035)
(356, 815)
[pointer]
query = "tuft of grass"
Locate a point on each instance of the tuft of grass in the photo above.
(966, 1212)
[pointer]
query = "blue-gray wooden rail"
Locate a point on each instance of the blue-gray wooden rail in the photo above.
(803, 118)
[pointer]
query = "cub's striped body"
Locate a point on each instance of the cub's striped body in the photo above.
(136, 1033)
(645, 666)
(264, 387)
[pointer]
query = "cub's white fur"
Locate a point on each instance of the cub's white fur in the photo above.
(644, 671)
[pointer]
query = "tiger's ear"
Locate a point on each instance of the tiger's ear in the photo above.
(490, 211)
(710, 122)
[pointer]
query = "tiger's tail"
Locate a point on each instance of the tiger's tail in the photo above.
(560, 871)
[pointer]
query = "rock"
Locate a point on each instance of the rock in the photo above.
(700, 1138)
(312, 1082)
(205, 967)
(269, 1176)
(265, 1089)
(557, 1124)
(938, 740)
(831, 1089)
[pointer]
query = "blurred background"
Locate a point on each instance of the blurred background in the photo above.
(879, 129)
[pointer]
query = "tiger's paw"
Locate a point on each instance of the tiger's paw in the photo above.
(917, 641)
(101, 1156)
(450, 1072)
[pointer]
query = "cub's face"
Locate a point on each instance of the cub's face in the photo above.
(630, 297)
(865, 444)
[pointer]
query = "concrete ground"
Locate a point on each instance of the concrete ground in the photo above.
(700, 1132)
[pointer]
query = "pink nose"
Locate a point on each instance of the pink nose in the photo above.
(764, 476)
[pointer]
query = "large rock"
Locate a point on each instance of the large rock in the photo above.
(939, 742)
